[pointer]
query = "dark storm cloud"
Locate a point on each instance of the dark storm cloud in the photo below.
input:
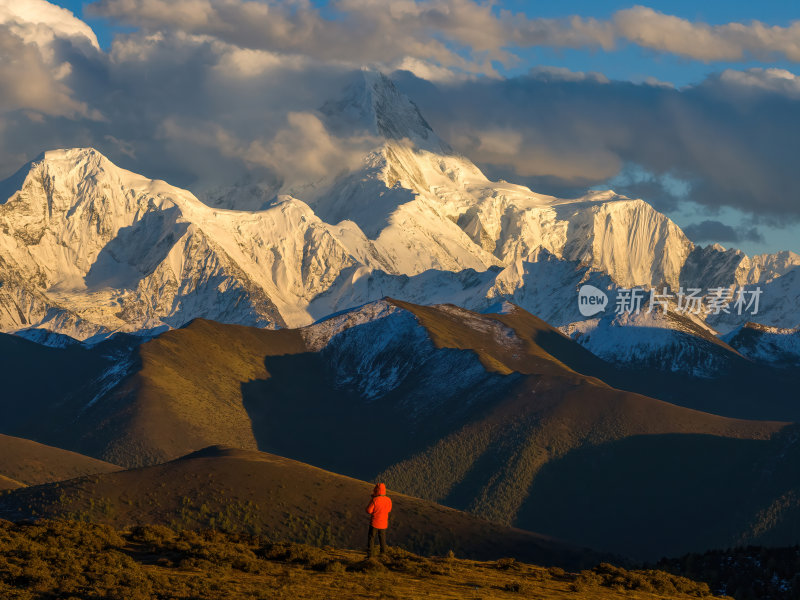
(730, 141)
(716, 231)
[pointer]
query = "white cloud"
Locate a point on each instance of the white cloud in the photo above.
(31, 83)
(364, 32)
(729, 42)
(456, 34)
(33, 71)
(775, 80)
(40, 22)
(729, 140)
(301, 152)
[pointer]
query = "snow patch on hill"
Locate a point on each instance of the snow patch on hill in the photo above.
(772, 345)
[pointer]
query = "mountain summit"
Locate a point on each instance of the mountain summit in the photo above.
(375, 104)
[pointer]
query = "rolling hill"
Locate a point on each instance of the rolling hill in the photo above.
(261, 494)
(24, 462)
(486, 413)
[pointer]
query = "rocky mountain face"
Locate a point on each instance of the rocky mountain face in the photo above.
(765, 344)
(88, 248)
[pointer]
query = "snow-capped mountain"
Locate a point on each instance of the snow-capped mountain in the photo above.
(668, 342)
(779, 304)
(771, 345)
(88, 248)
(716, 266)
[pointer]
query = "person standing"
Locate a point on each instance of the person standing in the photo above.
(379, 508)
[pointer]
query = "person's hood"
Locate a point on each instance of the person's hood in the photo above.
(380, 490)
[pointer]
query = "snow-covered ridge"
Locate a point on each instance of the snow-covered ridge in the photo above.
(773, 345)
(654, 340)
(379, 348)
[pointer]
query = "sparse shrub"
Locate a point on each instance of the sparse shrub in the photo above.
(516, 587)
(558, 573)
(154, 536)
(53, 559)
(368, 565)
(652, 581)
(294, 553)
(507, 564)
(334, 566)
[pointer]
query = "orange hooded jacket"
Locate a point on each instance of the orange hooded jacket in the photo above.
(380, 507)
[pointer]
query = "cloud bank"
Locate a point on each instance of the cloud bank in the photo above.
(728, 141)
(206, 92)
(717, 231)
(433, 29)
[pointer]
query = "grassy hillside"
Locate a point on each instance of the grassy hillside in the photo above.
(31, 463)
(567, 454)
(6, 483)
(78, 560)
(687, 491)
(258, 493)
(744, 390)
(185, 395)
(497, 415)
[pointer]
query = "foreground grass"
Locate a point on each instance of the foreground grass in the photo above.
(70, 560)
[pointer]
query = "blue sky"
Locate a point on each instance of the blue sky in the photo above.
(629, 62)
(642, 139)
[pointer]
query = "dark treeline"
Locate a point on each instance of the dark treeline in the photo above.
(748, 573)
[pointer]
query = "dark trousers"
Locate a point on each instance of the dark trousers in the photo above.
(381, 533)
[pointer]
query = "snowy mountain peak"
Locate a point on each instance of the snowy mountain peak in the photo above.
(375, 104)
(74, 174)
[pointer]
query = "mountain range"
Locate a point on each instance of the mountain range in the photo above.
(89, 249)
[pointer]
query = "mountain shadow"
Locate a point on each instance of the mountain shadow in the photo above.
(690, 492)
(137, 250)
(337, 426)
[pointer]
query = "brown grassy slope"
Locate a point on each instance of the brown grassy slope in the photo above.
(525, 344)
(6, 483)
(31, 463)
(187, 393)
(481, 450)
(545, 419)
(78, 560)
(492, 465)
(743, 389)
(259, 493)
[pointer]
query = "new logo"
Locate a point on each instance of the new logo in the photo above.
(591, 300)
